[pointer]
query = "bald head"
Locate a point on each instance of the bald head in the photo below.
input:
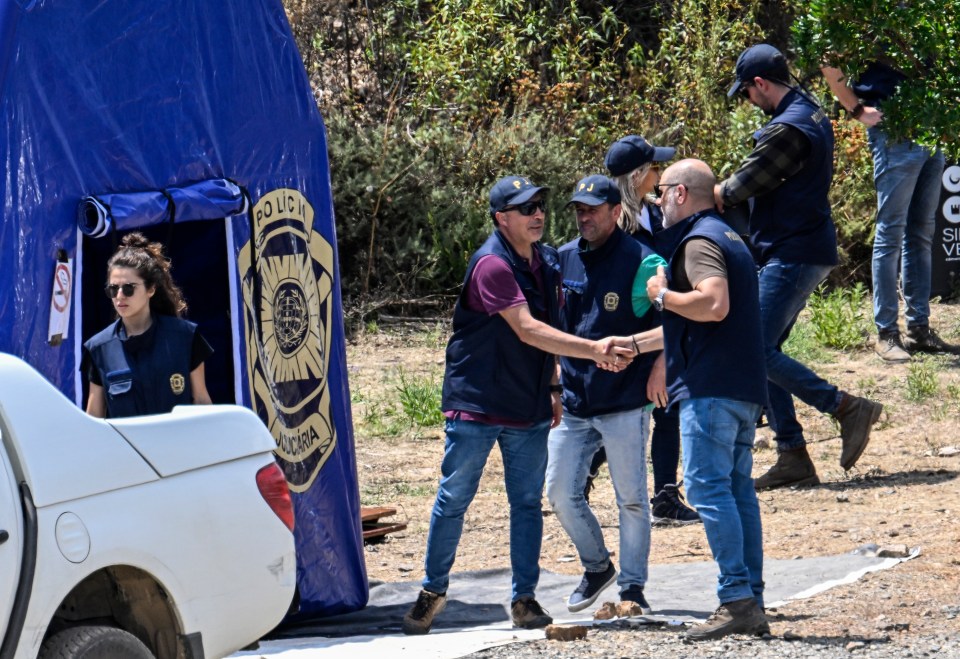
(695, 196)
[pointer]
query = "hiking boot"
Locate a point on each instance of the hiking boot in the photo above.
(634, 595)
(738, 617)
(793, 467)
(856, 416)
(592, 584)
(420, 617)
(527, 613)
(669, 509)
(921, 338)
(890, 348)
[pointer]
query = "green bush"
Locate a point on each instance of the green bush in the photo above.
(839, 317)
(428, 103)
(420, 399)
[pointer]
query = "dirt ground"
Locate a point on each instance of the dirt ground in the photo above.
(903, 491)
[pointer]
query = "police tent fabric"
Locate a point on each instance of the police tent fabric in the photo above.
(194, 122)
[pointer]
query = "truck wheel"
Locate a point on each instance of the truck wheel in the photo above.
(94, 642)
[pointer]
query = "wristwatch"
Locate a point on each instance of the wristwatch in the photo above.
(658, 301)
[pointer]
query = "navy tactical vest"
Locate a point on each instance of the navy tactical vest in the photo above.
(148, 380)
(489, 370)
(597, 289)
(722, 359)
(793, 222)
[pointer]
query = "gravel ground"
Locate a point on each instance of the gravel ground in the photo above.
(619, 641)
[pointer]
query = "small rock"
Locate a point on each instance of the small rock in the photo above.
(893, 551)
(608, 611)
(565, 632)
(629, 609)
(790, 635)
(843, 497)
(761, 442)
(404, 568)
(948, 451)
(566, 559)
(852, 646)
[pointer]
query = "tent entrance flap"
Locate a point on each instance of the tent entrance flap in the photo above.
(212, 199)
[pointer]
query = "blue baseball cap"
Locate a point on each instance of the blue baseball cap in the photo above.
(510, 191)
(633, 151)
(595, 190)
(760, 61)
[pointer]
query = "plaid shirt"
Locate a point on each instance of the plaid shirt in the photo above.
(779, 154)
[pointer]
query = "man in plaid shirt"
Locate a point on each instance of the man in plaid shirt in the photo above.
(786, 180)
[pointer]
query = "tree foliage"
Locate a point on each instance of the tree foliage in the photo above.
(428, 102)
(921, 38)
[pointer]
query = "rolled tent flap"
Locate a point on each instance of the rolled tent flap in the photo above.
(213, 199)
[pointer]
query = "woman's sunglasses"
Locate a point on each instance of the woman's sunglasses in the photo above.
(112, 289)
(527, 208)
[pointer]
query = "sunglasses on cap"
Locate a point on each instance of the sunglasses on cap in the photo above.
(527, 208)
(658, 189)
(112, 289)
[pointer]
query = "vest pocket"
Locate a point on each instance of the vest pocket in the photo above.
(119, 383)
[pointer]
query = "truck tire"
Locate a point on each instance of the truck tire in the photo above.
(94, 642)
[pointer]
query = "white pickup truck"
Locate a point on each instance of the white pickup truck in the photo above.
(165, 536)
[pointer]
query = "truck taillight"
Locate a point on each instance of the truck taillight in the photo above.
(273, 487)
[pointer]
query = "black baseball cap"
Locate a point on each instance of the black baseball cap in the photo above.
(595, 190)
(512, 190)
(633, 151)
(763, 61)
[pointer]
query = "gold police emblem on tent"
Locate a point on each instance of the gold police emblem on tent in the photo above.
(288, 305)
(177, 383)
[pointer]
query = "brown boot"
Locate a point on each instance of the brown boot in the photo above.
(793, 467)
(738, 617)
(856, 416)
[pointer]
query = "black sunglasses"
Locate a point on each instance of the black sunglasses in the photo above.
(745, 89)
(112, 289)
(527, 208)
(658, 189)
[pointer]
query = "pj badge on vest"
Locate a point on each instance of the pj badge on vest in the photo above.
(611, 301)
(177, 383)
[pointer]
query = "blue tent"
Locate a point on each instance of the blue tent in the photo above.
(193, 122)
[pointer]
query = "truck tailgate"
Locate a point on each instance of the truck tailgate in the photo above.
(194, 436)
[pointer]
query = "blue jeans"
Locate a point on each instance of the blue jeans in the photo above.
(468, 445)
(717, 437)
(907, 178)
(784, 289)
(570, 447)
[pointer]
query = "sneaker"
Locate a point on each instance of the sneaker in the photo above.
(420, 617)
(527, 613)
(738, 617)
(668, 508)
(592, 584)
(921, 338)
(793, 467)
(890, 348)
(634, 595)
(856, 416)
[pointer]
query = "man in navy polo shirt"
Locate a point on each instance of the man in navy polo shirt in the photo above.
(500, 386)
(604, 287)
(786, 180)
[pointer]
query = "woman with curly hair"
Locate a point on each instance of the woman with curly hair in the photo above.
(150, 358)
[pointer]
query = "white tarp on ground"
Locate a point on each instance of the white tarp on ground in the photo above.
(477, 614)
